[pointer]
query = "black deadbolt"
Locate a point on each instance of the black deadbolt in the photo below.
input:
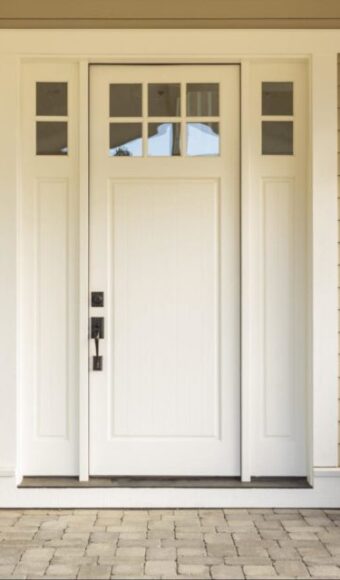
(97, 299)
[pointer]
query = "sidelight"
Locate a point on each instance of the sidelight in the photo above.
(51, 99)
(277, 118)
(277, 98)
(51, 138)
(277, 138)
(51, 118)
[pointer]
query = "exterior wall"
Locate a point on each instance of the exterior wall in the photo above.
(176, 14)
(149, 46)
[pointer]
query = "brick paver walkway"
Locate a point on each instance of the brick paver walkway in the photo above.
(206, 543)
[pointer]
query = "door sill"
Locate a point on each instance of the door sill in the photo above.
(166, 482)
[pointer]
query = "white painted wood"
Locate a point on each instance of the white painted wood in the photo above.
(309, 282)
(326, 493)
(49, 288)
(7, 470)
(164, 246)
(181, 46)
(83, 273)
(131, 45)
(52, 382)
(163, 240)
(279, 280)
(8, 245)
(327, 472)
(248, 304)
(325, 329)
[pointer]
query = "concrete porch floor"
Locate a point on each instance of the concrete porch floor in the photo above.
(204, 543)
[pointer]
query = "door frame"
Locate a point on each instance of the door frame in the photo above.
(227, 169)
(322, 300)
(319, 49)
(248, 302)
(84, 290)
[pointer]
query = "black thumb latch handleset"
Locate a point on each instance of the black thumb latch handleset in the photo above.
(97, 329)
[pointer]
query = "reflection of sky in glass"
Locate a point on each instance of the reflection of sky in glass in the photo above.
(161, 144)
(202, 139)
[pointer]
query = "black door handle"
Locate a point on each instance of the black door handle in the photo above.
(96, 342)
(97, 332)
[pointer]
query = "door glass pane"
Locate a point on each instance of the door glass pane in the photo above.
(202, 99)
(51, 99)
(164, 100)
(164, 139)
(277, 138)
(277, 98)
(203, 139)
(126, 140)
(126, 100)
(51, 138)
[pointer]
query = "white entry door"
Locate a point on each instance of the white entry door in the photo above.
(165, 252)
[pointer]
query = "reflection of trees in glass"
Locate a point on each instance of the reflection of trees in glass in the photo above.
(122, 152)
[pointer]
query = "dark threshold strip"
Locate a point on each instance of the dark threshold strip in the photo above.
(167, 482)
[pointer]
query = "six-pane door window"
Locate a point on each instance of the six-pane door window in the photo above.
(164, 119)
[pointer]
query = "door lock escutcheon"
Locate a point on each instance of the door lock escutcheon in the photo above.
(97, 326)
(97, 299)
(97, 332)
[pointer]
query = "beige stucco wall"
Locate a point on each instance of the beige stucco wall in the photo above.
(174, 14)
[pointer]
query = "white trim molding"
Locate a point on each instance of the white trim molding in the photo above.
(324, 494)
(327, 472)
(7, 470)
(325, 259)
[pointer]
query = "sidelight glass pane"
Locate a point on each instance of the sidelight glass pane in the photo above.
(51, 138)
(164, 100)
(203, 139)
(126, 100)
(126, 140)
(277, 138)
(277, 98)
(51, 99)
(203, 99)
(164, 139)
